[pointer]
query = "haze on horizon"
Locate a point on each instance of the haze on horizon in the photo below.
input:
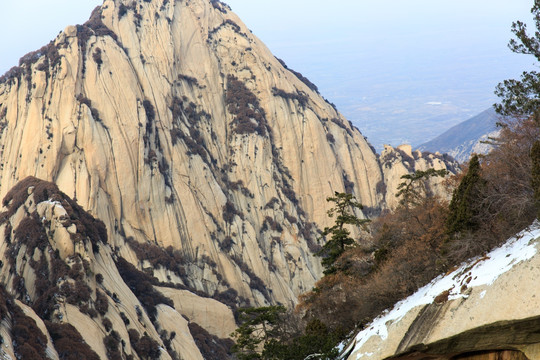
(400, 71)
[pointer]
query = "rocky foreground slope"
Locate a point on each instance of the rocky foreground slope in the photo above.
(485, 310)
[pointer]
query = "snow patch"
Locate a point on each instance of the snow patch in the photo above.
(52, 203)
(364, 354)
(476, 272)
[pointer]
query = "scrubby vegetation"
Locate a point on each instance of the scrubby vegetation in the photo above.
(249, 117)
(93, 27)
(87, 225)
(141, 285)
(300, 97)
(186, 111)
(97, 56)
(301, 77)
(220, 6)
(49, 54)
(28, 340)
(210, 346)
(146, 347)
(69, 343)
(84, 100)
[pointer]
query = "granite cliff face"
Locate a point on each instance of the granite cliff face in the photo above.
(173, 124)
(206, 158)
(66, 292)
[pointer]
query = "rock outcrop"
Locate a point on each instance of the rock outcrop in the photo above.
(64, 290)
(486, 309)
(396, 162)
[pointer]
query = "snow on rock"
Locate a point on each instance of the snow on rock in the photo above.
(480, 271)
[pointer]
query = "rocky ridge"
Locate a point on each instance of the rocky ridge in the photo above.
(468, 137)
(173, 124)
(206, 158)
(66, 292)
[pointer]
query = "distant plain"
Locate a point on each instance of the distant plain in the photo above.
(402, 72)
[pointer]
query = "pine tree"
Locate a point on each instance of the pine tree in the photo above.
(415, 189)
(521, 98)
(340, 236)
(464, 204)
(258, 327)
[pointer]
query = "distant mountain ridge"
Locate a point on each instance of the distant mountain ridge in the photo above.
(465, 138)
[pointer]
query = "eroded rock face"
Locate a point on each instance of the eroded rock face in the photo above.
(487, 309)
(61, 283)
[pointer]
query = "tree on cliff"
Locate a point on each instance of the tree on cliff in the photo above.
(415, 188)
(273, 333)
(258, 327)
(340, 236)
(521, 98)
(463, 209)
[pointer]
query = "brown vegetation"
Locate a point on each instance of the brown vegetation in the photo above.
(111, 342)
(230, 211)
(411, 245)
(401, 256)
(220, 6)
(300, 97)
(168, 258)
(69, 343)
(97, 57)
(301, 77)
(28, 340)
(141, 285)
(211, 347)
(249, 117)
(101, 303)
(146, 347)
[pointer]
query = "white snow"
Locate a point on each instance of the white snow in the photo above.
(52, 203)
(476, 272)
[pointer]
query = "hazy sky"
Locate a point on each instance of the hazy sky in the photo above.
(384, 63)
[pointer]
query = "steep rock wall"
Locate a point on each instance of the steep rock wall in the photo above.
(175, 125)
(396, 162)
